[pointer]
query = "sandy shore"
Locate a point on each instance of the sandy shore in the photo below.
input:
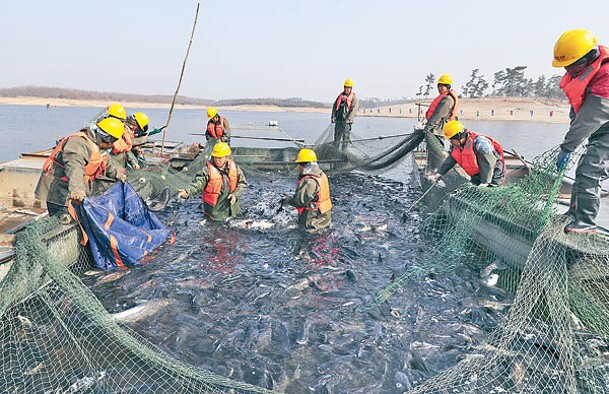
(488, 108)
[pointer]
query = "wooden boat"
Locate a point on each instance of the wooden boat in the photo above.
(506, 239)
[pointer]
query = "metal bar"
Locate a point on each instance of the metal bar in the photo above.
(381, 137)
(258, 138)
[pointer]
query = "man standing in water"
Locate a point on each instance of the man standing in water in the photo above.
(217, 126)
(344, 111)
(312, 196)
(75, 162)
(586, 85)
(480, 156)
(222, 182)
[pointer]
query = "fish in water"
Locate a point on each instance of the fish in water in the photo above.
(113, 277)
(251, 224)
(487, 277)
(146, 308)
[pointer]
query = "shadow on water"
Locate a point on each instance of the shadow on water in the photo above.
(279, 308)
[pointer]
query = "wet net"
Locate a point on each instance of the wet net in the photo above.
(552, 287)
(58, 338)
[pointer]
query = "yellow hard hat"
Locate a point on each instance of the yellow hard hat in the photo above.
(221, 149)
(142, 120)
(348, 83)
(572, 46)
(211, 112)
(445, 79)
(112, 126)
(452, 128)
(117, 111)
(306, 155)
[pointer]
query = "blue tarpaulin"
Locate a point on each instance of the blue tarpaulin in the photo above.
(121, 230)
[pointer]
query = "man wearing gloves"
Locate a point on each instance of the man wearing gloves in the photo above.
(586, 85)
(222, 183)
(480, 156)
(75, 162)
(312, 196)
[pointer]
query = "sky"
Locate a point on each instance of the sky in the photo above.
(280, 48)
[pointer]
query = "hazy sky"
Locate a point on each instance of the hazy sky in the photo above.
(280, 48)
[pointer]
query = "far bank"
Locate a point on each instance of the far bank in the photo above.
(487, 108)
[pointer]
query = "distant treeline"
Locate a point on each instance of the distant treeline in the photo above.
(76, 94)
(510, 82)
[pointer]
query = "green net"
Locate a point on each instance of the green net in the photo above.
(58, 338)
(551, 287)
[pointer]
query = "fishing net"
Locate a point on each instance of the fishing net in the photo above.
(553, 286)
(58, 338)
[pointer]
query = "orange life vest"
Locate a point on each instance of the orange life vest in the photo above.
(124, 144)
(466, 157)
(95, 164)
(216, 130)
(323, 202)
(434, 104)
(575, 88)
(348, 99)
(215, 181)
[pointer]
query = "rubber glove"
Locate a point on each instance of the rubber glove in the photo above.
(434, 177)
(232, 199)
(562, 159)
(78, 195)
(182, 193)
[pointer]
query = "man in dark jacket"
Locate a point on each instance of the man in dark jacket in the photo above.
(312, 196)
(586, 85)
(480, 156)
(344, 111)
(222, 183)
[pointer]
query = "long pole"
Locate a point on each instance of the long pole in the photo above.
(259, 138)
(414, 204)
(381, 137)
(175, 95)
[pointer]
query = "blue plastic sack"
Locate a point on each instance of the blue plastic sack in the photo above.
(121, 230)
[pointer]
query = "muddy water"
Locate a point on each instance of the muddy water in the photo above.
(287, 311)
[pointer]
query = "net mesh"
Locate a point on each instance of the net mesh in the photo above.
(553, 338)
(58, 338)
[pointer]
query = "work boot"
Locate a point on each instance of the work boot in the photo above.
(570, 214)
(586, 211)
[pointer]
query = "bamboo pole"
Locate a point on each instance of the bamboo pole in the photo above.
(175, 95)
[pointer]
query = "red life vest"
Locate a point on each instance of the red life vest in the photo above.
(575, 88)
(323, 202)
(95, 164)
(466, 157)
(434, 104)
(345, 98)
(216, 130)
(215, 181)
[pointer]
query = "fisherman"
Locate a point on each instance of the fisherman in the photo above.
(217, 126)
(586, 85)
(480, 156)
(75, 162)
(312, 196)
(344, 111)
(222, 183)
(136, 126)
(121, 154)
(443, 108)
